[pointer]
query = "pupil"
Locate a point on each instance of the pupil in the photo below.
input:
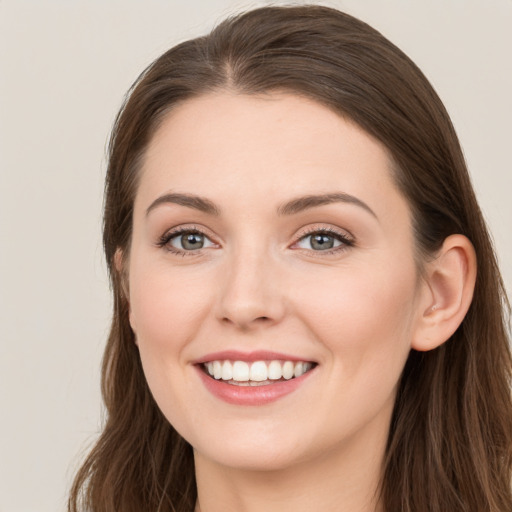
(322, 242)
(192, 241)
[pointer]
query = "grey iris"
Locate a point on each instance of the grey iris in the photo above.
(192, 241)
(322, 241)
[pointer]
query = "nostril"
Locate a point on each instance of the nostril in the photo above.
(259, 318)
(245, 324)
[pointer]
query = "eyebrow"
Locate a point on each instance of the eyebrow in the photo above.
(310, 201)
(190, 201)
(292, 207)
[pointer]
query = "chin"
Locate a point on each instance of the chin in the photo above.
(252, 458)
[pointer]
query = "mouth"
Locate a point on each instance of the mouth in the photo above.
(255, 373)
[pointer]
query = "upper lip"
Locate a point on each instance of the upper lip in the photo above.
(256, 355)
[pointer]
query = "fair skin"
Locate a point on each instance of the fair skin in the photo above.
(332, 284)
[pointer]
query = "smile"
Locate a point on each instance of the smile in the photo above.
(255, 378)
(257, 373)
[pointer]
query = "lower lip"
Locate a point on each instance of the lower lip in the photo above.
(251, 395)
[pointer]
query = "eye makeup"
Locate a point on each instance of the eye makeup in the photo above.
(191, 241)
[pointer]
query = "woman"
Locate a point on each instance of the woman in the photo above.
(299, 321)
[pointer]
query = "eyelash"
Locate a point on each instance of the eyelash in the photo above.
(346, 240)
(165, 239)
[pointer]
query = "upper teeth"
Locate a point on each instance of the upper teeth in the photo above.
(258, 371)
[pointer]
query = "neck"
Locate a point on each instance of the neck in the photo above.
(344, 480)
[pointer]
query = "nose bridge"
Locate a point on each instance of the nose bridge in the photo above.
(250, 293)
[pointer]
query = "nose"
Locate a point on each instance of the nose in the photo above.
(250, 294)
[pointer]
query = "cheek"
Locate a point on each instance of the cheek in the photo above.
(166, 308)
(365, 321)
(363, 316)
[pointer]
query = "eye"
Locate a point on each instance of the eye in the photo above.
(184, 241)
(324, 240)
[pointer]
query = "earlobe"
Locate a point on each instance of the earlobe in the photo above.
(450, 282)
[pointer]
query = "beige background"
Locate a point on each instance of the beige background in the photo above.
(64, 67)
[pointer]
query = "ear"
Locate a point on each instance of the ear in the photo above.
(449, 283)
(120, 265)
(118, 260)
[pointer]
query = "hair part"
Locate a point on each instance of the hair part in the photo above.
(450, 440)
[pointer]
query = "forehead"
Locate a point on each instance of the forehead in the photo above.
(225, 146)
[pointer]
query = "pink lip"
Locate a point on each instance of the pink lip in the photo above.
(250, 395)
(258, 355)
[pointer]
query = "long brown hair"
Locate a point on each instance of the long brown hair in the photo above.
(450, 440)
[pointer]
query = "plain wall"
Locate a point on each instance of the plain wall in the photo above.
(64, 68)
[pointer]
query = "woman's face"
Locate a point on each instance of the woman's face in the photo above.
(269, 238)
